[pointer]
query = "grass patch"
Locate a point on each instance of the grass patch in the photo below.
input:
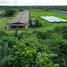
(45, 24)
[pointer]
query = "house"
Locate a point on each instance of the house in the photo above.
(20, 21)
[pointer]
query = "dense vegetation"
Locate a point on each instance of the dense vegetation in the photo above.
(9, 12)
(37, 24)
(35, 49)
(36, 7)
(43, 45)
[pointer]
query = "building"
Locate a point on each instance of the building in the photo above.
(20, 21)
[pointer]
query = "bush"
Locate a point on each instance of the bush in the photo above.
(37, 24)
(2, 33)
(43, 35)
(9, 12)
(62, 30)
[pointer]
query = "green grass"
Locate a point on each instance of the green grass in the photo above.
(45, 24)
(5, 20)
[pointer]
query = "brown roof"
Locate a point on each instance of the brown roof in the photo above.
(20, 20)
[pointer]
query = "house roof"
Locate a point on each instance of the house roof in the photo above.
(22, 18)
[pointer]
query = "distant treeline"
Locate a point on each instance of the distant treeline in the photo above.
(36, 7)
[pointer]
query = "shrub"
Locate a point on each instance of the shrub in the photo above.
(9, 12)
(62, 30)
(37, 24)
(43, 35)
(2, 33)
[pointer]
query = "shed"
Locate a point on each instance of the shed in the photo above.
(21, 20)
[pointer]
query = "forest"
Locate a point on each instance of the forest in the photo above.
(36, 7)
(34, 49)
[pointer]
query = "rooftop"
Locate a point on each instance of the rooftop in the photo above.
(22, 18)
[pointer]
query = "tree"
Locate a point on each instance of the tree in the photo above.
(9, 12)
(3, 54)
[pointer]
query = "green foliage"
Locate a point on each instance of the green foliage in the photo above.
(43, 35)
(37, 24)
(62, 30)
(10, 40)
(3, 53)
(35, 49)
(36, 7)
(2, 33)
(9, 12)
(24, 55)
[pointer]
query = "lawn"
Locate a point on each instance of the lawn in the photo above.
(45, 24)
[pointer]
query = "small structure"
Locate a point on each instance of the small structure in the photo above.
(7, 27)
(33, 21)
(20, 21)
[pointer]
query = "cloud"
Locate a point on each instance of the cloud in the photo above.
(33, 2)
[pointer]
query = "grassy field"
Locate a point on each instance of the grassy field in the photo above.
(35, 14)
(45, 24)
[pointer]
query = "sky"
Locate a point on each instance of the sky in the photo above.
(32, 2)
